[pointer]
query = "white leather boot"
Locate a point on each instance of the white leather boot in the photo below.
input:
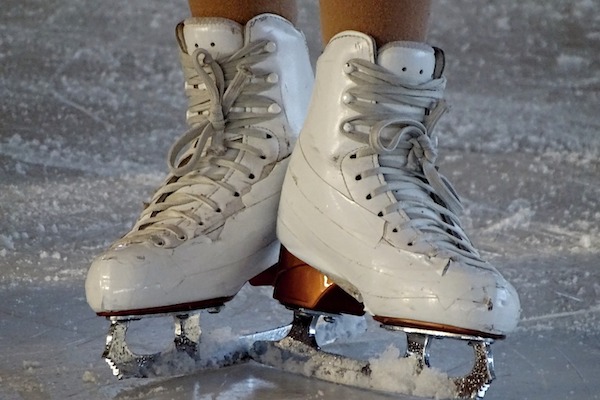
(211, 226)
(364, 204)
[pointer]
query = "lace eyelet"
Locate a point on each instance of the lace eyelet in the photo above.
(380, 214)
(236, 194)
(182, 237)
(269, 136)
(352, 156)
(270, 47)
(251, 176)
(369, 197)
(218, 210)
(348, 68)
(395, 230)
(358, 177)
(274, 108)
(160, 243)
(347, 98)
(263, 157)
(410, 244)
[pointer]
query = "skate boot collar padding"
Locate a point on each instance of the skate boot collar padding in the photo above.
(416, 62)
(221, 37)
(218, 36)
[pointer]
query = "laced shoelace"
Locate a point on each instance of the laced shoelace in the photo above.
(224, 103)
(407, 153)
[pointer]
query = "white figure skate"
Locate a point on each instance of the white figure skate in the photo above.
(364, 204)
(211, 226)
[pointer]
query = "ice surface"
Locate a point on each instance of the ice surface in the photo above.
(91, 98)
(387, 372)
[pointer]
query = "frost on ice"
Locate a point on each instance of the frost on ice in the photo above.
(388, 372)
(391, 372)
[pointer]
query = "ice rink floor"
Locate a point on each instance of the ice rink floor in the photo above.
(91, 98)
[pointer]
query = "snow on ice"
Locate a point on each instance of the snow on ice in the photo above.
(91, 98)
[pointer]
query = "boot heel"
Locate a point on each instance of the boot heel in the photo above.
(298, 285)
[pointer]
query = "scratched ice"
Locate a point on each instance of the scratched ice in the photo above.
(91, 98)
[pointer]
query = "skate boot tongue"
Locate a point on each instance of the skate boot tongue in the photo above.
(418, 67)
(218, 36)
(415, 62)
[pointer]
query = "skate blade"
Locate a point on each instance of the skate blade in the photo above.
(183, 355)
(476, 382)
(124, 363)
(299, 353)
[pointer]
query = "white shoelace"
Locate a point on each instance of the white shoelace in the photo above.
(407, 154)
(224, 103)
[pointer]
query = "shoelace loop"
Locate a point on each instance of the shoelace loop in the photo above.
(389, 135)
(389, 122)
(210, 130)
(224, 104)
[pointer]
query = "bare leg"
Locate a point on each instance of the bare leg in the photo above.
(242, 11)
(385, 20)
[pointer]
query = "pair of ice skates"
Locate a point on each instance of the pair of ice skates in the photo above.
(365, 221)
